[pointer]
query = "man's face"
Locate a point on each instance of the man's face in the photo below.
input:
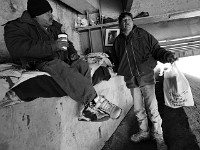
(45, 19)
(126, 23)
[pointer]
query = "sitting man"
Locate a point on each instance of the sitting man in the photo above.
(32, 40)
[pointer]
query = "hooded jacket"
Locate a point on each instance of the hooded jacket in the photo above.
(136, 55)
(28, 43)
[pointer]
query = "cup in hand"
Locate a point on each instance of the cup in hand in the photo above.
(64, 38)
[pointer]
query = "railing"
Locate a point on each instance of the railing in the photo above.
(187, 46)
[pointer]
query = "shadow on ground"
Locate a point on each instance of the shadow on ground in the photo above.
(177, 133)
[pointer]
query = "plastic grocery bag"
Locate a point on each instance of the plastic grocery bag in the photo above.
(177, 91)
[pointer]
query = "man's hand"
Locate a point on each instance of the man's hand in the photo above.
(61, 44)
(171, 58)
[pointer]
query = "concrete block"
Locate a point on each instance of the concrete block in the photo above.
(52, 124)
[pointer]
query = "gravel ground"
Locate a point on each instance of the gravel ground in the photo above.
(181, 126)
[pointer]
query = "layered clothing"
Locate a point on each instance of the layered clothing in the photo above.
(29, 43)
(136, 55)
(35, 48)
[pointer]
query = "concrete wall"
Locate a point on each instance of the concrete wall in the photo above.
(111, 8)
(13, 9)
(174, 29)
(52, 124)
(158, 7)
(169, 29)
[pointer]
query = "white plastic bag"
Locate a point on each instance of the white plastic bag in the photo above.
(177, 91)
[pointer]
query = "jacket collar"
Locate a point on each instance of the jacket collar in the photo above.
(27, 18)
(130, 34)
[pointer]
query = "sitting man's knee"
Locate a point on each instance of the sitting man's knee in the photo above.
(81, 63)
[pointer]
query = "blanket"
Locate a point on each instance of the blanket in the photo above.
(18, 85)
(11, 75)
(99, 59)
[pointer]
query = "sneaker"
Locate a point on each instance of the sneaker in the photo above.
(90, 113)
(104, 105)
(160, 141)
(141, 135)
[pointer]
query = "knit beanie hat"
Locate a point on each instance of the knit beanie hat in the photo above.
(38, 7)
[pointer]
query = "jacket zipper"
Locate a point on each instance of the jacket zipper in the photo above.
(128, 60)
(135, 60)
(39, 32)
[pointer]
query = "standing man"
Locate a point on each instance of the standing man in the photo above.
(32, 40)
(135, 54)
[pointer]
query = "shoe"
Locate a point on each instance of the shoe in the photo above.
(90, 113)
(100, 109)
(161, 145)
(104, 105)
(142, 14)
(141, 135)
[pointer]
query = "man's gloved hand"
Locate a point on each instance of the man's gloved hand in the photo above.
(61, 44)
(171, 58)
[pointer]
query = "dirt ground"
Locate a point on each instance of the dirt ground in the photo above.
(181, 126)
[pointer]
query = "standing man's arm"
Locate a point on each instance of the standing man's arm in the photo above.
(160, 53)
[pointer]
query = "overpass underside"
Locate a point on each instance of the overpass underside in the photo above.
(180, 35)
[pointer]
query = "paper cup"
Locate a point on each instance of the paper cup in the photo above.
(65, 36)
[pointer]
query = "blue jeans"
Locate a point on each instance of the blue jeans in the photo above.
(144, 97)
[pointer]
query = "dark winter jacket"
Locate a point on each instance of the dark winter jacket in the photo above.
(136, 55)
(29, 44)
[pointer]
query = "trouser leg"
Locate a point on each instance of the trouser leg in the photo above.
(74, 80)
(139, 108)
(148, 92)
(83, 68)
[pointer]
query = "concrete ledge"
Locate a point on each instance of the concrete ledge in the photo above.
(52, 124)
